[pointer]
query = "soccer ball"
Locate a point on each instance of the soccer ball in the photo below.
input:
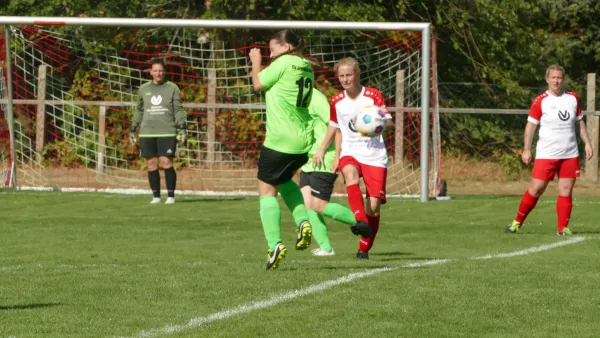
(370, 121)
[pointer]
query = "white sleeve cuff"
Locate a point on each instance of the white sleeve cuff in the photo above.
(334, 124)
(533, 120)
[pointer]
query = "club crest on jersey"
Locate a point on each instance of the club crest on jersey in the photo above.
(156, 100)
(563, 116)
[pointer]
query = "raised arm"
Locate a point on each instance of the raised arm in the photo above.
(255, 57)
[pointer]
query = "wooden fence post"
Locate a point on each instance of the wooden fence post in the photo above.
(591, 165)
(101, 140)
(399, 128)
(40, 131)
(211, 119)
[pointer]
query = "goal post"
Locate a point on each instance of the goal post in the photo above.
(83, 125)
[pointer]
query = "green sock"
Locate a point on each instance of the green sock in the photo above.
(319, 229)
(292, 196)
(339, 213)
(270, 216)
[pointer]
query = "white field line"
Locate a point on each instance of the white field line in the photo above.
(200, 321)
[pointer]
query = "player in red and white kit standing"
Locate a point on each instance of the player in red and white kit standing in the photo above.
(359, 156)
(558, 114)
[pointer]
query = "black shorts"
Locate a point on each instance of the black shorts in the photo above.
(320, 183)
(276, 168)
(158, 146)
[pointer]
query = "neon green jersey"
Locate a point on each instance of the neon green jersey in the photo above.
(319, 110)
(288, 83)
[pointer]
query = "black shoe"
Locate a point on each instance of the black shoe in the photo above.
(304, 236)
(362, 255)
(361, 228)
(274, 257)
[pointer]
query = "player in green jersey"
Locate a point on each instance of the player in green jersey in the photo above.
(163, 124)
(317, 179)
(288, 85)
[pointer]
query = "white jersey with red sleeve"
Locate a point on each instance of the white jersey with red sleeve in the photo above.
(557, 117)
(366, 150)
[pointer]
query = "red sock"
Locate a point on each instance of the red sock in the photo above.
(564, 205)
(528, 202)
(357, 205)
(365, 244)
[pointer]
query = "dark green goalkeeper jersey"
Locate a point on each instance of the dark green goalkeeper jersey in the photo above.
(159, 110)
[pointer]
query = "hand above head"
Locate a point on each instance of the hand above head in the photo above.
(255, 56)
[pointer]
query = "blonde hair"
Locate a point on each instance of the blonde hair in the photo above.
(347, 62)
(555, 67)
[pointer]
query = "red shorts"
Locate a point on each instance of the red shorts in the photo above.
(545, 169)
(374, 177)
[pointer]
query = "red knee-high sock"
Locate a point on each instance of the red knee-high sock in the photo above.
(528, 202)
(355, 199)
(564, 205)
(365, 244)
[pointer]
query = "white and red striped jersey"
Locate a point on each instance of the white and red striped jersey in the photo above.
(366, 150)
(557, 117)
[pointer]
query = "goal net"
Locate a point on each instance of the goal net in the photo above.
(74, 92)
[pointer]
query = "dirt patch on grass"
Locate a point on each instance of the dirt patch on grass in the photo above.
(470, 177)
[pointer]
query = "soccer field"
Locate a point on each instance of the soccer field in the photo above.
(96, 265)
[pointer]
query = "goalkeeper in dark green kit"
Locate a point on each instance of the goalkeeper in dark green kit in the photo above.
(162, 119)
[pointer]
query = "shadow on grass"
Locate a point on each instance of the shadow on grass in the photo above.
(28, 306)
(405, 259)
(210, 199)
(586, 232)
(391, 253)
(353, 268)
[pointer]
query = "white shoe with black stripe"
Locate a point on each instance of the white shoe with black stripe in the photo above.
(321, 252)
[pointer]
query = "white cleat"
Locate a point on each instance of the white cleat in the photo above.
(155, 200)
(170, 200)
(321, 252)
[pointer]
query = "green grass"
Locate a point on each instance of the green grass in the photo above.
(96, 265)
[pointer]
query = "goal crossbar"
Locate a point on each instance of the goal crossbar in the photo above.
(424, 28)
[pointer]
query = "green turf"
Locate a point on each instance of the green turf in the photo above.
(96, 265)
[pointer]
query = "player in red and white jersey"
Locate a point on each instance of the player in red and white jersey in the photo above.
(558, 114)
(358, 156)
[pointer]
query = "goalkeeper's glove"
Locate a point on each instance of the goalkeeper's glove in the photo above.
(182, 133)
(132, 137)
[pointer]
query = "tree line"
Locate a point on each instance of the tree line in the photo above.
(502, 46)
